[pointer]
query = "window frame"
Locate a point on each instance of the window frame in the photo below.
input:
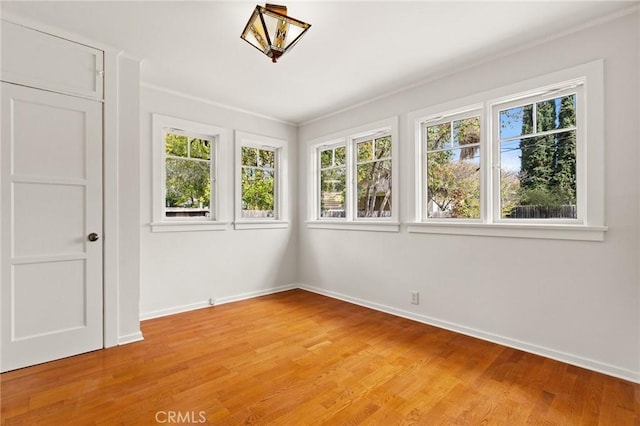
(590, 224)
(563, 89)
(279, 146)
(161, 124)
(373, 136)
(433, 120)
(349, 138)
(347, 157)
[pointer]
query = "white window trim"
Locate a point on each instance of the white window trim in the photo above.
(421, 160)
(218, 221)
(563, 89)
(281, 176)
(348, 138)
(591, 227)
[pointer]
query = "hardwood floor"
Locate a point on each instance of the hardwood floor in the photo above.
(298, 358)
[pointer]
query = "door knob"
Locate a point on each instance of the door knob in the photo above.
(93, 237)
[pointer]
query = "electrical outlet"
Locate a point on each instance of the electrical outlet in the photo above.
(415, 298)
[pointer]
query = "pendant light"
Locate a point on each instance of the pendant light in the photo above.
(272, 32)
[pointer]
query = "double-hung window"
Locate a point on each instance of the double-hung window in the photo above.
(333, 181)
(451, 160)
(188, 174)
(536, 149)
(186, 185)
(373, 170)
(353, 181)
(513, 161)
(261, 182)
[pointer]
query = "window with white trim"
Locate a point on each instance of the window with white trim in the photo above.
(188, 175)
(353, 183)
(536, 149)
(513, 161)
(333, 180)
(373, 167)
(451, 149)
(186, 188)
(260, 181)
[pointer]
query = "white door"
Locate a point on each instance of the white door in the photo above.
(50, 204)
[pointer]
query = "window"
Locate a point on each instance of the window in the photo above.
(186, 179)
(188, 171)
(373, 176)
(260, 182)
(333, 181)
(354, 180)
(513, 161)
(452, 163)
(536, 145)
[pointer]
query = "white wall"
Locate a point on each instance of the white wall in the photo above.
(575, 301)
(183, 270)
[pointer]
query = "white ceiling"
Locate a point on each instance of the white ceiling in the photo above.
(354, 51)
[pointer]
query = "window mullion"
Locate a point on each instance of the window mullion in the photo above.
(433, 151)
(493, 171)
(536, 134)
(451, 133)
(424, 184)
(352, 179)
(277, 184)
(318, 184)
(213, 188)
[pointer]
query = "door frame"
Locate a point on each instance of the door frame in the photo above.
(110, 267)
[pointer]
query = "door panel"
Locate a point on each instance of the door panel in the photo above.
(50, 200)
(36, 59)
(48, 298)
(44, 226)
(34, 123)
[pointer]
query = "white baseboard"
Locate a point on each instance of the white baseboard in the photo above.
(576, 360)
(174, 310)
(130, 338)
(257, 293)
(218, 301)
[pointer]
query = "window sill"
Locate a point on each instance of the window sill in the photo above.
(260, 224)
(188, 226)
(382, 226)
(542, 231)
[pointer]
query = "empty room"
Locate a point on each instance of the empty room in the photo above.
(320, 212)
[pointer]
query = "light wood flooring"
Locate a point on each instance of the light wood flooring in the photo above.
(298, 358)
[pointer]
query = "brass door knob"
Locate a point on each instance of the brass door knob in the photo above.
(93, 237)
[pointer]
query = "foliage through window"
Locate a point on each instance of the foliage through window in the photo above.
(354, 178)
(514, 160)
(373, 171)
(188, 169)
(258, 182)
(452, 150)
(189, 183)
(537, 142)
(333, 181)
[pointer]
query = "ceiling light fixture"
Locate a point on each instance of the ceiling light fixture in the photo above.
(272, 32)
